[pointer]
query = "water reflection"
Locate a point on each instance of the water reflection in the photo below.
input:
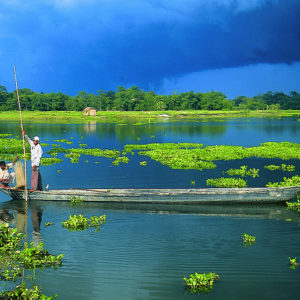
(14, 213)
(90, 127)
(230, 129)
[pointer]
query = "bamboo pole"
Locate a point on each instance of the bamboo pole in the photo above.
(22, 130)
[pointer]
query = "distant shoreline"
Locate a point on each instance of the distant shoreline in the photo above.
(154, 116)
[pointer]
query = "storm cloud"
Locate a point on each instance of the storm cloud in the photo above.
(72, 45)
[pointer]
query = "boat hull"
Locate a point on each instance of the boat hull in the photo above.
(171, 196)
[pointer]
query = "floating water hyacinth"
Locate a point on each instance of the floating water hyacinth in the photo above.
(227, 182)
(195, 156)
(118, 160)
(293, 262)
(197, 283)
(293, 181)
(248, 239)
(243, 171)
(283, 167)
(46, 161)
(79, 222)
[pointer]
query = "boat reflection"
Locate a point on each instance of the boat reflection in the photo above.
(36, 208)
(13, 213)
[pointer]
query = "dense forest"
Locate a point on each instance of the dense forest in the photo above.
(138, 100)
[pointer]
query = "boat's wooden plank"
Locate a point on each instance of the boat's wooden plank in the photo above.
(191, 196)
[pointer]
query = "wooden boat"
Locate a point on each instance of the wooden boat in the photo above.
(166, 196)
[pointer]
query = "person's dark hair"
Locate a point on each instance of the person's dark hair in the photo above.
(2, 163)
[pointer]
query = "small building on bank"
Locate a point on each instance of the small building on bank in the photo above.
(89, 111)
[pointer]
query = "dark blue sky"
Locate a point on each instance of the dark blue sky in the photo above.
(240, 47)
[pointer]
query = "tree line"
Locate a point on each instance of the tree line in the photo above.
(135, 99)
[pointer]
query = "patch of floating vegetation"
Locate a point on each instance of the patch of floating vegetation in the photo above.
(294, 205)
(197, 283)
(49, 224)
(283, 167)
(248, 240)
(118, 160)
(243, 171)
(75, 153)
(86, 151)
(46, 161)
(10, 147)
(14, 255)
(143, 163)
(227, 182)
(293, 181)
(79, 222)
(5, 135)
(293, 263)
(194, 156)
(161, 146)
(74, 157)
(76, 200)
(44, 144)
(37, 257)
(21, 292)
(64, 141)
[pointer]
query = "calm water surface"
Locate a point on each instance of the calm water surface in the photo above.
(143, 251)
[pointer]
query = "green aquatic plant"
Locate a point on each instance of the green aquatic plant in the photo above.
(14, 258)
(63, 141)
(21, 293)
(74, 157)
(10, 147)
(2, 135)
(248, 239)
(9, 270)
(37, 257)
(46, 161)
(49, 224)
(10, 239)
(88, 151)
(272, 167)
(194, 156)
(44, 144)
(81, 223)
(227, 182)
(143, 163)
(76, 200)
(293, 181)
(283, 167)
(197, 283)
(161, 146)
(243, 171)
(294, 205)
(118, 160)
(193, 182)
(293, 263)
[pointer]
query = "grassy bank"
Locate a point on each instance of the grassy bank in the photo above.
(125, 116)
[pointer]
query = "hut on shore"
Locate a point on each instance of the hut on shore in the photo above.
(89, 111)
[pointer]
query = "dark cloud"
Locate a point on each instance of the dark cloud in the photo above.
(91, 45)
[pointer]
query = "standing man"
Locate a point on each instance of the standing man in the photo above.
(36, 155)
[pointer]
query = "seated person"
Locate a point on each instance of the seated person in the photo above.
(5, 176)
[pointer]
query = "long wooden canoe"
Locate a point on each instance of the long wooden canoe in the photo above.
(166, 196)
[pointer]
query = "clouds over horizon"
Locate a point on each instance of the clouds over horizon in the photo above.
(72, 45)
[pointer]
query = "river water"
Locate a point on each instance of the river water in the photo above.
(144, 251)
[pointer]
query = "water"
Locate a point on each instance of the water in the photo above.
(144, 251)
